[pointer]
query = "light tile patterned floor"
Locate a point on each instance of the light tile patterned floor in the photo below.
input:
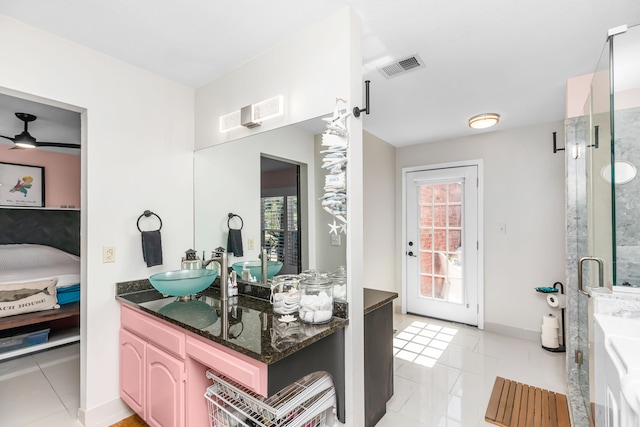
(41, 390)
(444, 373)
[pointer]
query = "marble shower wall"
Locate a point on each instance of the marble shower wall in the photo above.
(577, 333)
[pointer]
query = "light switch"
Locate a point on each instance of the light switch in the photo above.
(335, 240)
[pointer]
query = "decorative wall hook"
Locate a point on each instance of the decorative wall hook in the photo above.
(366, 109)
(555, 148)
(596, 141)
(596, 136)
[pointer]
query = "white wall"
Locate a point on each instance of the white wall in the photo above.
(310, 71)
(380, 214)
(524, 189)
(138, 136)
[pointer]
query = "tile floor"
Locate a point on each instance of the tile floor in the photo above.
(444, 373)
(42, 389)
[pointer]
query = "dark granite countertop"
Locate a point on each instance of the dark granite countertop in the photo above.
(374, 299)
(252, 327)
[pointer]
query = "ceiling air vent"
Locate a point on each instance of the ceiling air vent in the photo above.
(402, 66)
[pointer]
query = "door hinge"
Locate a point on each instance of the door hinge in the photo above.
(477, 245)
(477, 182)
(578, 357)
(478, 309)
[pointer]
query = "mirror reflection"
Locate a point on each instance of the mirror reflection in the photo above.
(280, 213)
(272, 182)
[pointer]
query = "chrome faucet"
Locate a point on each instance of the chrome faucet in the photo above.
(220, 256)
(264, 262)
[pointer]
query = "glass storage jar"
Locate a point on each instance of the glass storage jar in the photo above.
(284, 334)
(285, 294)
(316, 302)
(339, 278)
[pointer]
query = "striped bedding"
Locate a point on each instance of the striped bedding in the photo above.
(24, 263)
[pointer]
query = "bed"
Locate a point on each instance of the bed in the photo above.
(40, 250)
(27, 268)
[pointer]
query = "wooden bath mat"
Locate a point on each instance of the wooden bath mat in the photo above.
(514, 404)
(132, 421)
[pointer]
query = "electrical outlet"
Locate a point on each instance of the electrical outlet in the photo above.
(250, 244)
(335, 240)
(108, 254)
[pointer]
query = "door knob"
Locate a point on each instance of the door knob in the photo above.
(410, 253)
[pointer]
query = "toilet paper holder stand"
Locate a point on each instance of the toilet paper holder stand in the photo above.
(561, 348)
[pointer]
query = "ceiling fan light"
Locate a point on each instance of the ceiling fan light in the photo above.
(25, 145)
(482, 121)
(25, 140)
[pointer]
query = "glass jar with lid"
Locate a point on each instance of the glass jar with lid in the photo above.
(339, 278)
(285, 294)
(316, 302)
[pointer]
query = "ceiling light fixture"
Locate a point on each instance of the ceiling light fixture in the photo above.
(482, 121)
(25, 140)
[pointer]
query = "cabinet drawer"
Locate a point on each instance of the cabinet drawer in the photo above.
(240, 368)
(154, 330)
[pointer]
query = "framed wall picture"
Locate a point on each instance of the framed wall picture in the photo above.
(21, 185)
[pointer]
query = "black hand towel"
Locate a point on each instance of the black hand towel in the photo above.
(152, 248)
(234, 242)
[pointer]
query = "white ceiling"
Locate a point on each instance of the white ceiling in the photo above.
(504, 56)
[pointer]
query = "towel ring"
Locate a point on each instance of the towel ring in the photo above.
(231, 215)
(147, 214)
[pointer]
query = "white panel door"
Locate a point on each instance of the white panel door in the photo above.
(442, 243)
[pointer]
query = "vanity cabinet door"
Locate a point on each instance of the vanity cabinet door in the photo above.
(165, 389)
(132, 371)
(378, 363)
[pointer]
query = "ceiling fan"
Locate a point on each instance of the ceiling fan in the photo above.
(25, 140)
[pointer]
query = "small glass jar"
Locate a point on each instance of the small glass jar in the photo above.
(285, 294)
(284, 335)
(316, 302)
(339, 278)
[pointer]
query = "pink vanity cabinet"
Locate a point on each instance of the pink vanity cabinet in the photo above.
(164, 357)
(162, 370)
(152, 370)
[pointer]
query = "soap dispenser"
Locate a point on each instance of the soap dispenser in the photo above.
(191, 261)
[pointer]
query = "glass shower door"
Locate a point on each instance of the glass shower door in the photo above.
(595, 236)
(602, 160)
(625, 158)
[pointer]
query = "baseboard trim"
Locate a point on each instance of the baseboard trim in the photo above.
(511, 331)
(104, 415)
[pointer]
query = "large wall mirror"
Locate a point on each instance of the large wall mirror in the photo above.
(273, 181)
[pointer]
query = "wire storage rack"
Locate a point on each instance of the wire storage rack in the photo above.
(309, 402)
